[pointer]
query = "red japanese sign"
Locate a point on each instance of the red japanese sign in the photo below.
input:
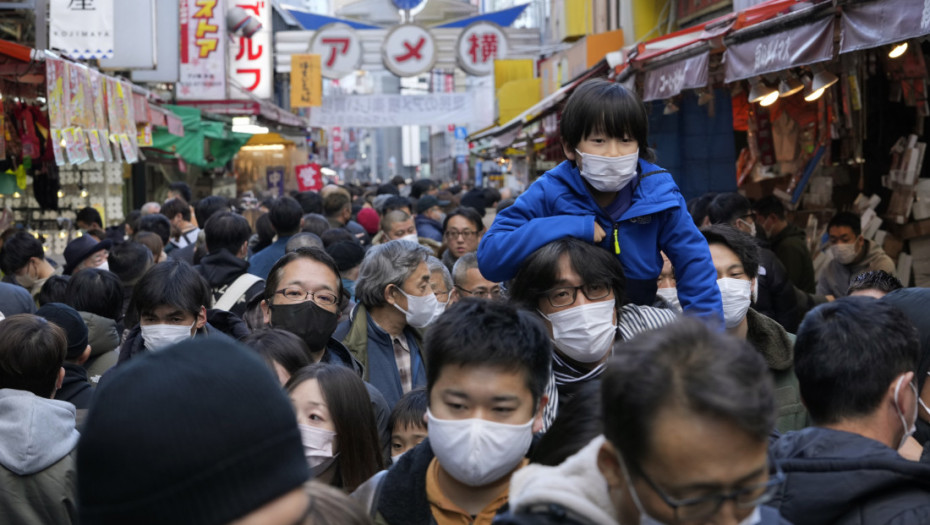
(309, 177)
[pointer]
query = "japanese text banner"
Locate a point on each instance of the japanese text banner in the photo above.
(306, 81)
(384, 111)
(669, 80)
(798, 46)
(203, 50)
(872, 24)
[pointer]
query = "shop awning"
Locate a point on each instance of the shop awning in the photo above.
(261, 108)
(799, 38)
(198, 132)
(864, 25)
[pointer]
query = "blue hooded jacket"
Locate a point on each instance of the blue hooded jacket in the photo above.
(559, 205)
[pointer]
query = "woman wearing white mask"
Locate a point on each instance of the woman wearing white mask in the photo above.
(578, 290)
(337, 425)
(395, 300)
(736, 257)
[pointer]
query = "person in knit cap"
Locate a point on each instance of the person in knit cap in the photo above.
(37, 432)
(161, 445)
(75, 387)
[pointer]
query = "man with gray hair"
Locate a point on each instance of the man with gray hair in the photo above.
(440, 280)
(303, 240)
(395, 300)
(469, 282)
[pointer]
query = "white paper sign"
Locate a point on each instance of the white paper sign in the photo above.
(250, 58)
(378, 111)
(82, 28)
(203, 50)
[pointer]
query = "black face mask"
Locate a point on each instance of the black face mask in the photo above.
(305, 320)
(923, 432)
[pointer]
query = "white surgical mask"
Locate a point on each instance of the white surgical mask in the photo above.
(909, 429)
(160, 336)
(844, 253)
(751, 225)
(608, 173)
(584, 333)
(104, 266)
(412, 237)
(671, 297)
(395, 458)
(736, 295)
(476, 451)
(421, 310)
(318, 448)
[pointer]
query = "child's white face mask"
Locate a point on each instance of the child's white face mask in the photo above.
(608, 174)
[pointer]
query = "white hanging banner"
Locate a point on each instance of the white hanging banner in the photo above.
(250, 58)
(383, 111)
(81, 28)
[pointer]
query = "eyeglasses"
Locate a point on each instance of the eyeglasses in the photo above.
(465, 234)
(693, 509)
(298, 295)
(565, 296)
(493, 293)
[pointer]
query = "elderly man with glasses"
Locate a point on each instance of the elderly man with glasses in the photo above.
(468, 281)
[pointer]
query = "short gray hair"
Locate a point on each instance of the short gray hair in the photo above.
(393, 217)
(389, 263)
(435, 265)
(303, 240)
(466, 262)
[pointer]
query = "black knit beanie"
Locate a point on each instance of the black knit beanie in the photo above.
(199, 433)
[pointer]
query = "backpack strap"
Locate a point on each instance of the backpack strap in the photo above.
(236, 290)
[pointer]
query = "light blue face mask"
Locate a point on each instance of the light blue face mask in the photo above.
(349, 286)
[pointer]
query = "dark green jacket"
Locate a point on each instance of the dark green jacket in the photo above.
(790, 246)
(777, 347)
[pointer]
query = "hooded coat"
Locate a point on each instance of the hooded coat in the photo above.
(221, 269)
(37, 467)
(103, 338)
(777, 347)
(559, 205)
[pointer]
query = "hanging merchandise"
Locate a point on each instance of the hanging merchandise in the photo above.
(57, 95)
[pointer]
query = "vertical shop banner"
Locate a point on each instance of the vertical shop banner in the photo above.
(798, 46)
(309, 177)
(203, 50)
(250, 59)
(669, 80)
(306, 81)
(274, 175)
(82, 28)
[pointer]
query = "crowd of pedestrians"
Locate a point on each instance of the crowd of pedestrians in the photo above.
(595, 350)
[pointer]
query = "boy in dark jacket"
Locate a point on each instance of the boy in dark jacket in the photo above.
(75, 388)
(609, 193)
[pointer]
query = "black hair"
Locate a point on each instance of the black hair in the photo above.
(96, 291)
(421, 187)
(353, 418)
(182, 189)
(491, 195)
(226, 231)
(848, 352)
(173, 283)
(334, 235)
(176, 206)
(579, 421)
(132, 220)
(468, 213)
(770, 205)
(740, 243)
(848, 219)
(409, 410)
(310, 201)
(157, 224)
(89, 216)
(397, 180)
(473, 332)
(387, 189)
(504, 204)
(129, 260)
(335, 202)
(17, 250)
(396, 203)
(207, 206)
(726, 208)
(54, 290)
(315, 223)
(539, 272)
(32, 351)
(601, 106)
(285, 215)
(279, 346)
(697, 207)
(315, 254)
(265, 232)
(874, 280)
(685, 365)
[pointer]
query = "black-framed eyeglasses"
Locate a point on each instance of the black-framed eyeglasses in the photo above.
(693, 509)
(566, 295)
(465, 234)
(294, 294)
(493, 293)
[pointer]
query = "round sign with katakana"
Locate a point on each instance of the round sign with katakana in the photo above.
(479, 45)
(408, 50)
(340, 50)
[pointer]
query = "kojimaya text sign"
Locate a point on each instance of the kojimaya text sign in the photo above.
(306, 81)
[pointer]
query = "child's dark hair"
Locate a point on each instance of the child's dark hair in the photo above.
(601, 106)
(409, 410)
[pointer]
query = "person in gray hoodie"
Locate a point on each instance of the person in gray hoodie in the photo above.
(37, 432)
(852, 255)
